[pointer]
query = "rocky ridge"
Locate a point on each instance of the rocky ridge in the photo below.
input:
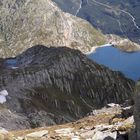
(59, 84)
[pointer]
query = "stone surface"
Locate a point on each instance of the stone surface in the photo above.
(105, 136)
(88, 134)
(38, 134)
(65, 132)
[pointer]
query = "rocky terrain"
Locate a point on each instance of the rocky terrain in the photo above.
(47, 86)
(25, 23)
(113, 122)
(54, 91)
(119, 17)
(124, 44)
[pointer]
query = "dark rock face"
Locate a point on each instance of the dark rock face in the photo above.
(119, 17)
(137, 110)
(56, 85)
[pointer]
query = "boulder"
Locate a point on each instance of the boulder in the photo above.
(105, 136)
(38, 134)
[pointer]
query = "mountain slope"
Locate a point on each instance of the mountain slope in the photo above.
(25, 23)
(119, 17)
(59, 84)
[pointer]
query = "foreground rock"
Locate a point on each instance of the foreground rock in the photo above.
(48, 86)
(25, 23)
(93, 127)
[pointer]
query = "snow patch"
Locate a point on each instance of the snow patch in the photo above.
(3, 95)
(14, 67)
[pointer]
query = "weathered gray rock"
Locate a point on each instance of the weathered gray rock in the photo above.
(12, 120)
(105, 136)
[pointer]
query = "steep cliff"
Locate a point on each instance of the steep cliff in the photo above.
(59, 84)
(25, 23)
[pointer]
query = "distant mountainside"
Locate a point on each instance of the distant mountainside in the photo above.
(25, 23)
(55, 85)
(120, 17)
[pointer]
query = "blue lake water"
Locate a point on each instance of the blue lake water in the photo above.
(115, 59)
(11, 62)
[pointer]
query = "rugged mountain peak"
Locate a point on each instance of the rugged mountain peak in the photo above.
(60, 84)
(31, 22)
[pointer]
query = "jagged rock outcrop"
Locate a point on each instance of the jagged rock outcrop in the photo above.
(25, 23)
(59, 84)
